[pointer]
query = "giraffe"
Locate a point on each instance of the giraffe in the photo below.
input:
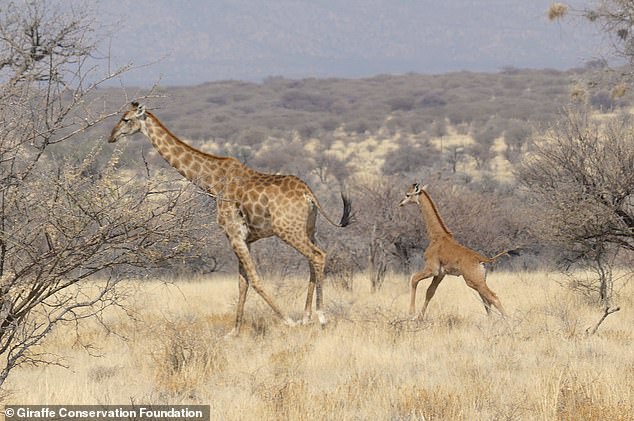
(250, 206)
(445, 256)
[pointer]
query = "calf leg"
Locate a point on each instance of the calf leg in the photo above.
(492, 298)
(431, 290)
(476, 279)
(487, 304)
(414, 280)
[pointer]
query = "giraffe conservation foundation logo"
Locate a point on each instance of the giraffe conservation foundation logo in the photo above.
(106, 412)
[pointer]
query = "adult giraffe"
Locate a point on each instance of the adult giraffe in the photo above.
(445, 256)
(251, 206)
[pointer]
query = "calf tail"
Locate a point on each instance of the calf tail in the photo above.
(512, 252)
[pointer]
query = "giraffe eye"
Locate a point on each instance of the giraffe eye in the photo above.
(125, 120)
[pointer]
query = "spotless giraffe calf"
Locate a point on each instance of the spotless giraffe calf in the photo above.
(445, 256)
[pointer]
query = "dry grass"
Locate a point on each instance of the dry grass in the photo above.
(366, 364)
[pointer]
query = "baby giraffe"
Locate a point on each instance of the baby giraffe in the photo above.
(445, 256)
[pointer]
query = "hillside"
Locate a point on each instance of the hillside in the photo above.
(427, 116)
(462, 133)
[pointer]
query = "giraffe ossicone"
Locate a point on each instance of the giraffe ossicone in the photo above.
(250, 206)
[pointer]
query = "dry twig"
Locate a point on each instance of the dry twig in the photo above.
(608, 310)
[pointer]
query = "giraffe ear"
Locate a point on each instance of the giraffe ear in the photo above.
(140, 110)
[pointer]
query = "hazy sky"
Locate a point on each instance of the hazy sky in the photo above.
(190, 42)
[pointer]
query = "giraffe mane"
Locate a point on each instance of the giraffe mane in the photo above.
(435, 209)
(185, 144)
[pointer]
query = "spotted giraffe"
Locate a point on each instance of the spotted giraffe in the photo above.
(251, 205)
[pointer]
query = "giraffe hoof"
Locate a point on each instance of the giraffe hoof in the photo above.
(307, 319)
(322, 318)
(290, 322)
(233, 334)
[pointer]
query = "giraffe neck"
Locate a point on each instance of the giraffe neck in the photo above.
(207, 171)
(435, 225)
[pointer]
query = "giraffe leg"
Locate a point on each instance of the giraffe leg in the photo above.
(477, 280)
(241, 250)
(317, 262)
(431, 290)
(492, 298)
(308, 307)
(305, 244)
(414, 280)
(487, 304)
(243, 288)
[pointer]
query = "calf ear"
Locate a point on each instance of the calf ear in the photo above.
(424, 188)
(417, 188)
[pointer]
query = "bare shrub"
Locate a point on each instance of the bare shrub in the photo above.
(408, 158)
(383, 233)
(378, 259)
(63, 221)
(581, 173)
(341, 267)
(63, 229)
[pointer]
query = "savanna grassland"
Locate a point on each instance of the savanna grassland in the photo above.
(168, 346)
(514, 159)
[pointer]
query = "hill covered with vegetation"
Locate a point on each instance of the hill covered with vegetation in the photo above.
(241, 118)
(462, 133)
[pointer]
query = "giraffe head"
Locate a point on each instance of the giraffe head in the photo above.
(132, 122)
(413, 193)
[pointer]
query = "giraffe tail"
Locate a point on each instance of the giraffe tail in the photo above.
(346, 217)
(512, 252)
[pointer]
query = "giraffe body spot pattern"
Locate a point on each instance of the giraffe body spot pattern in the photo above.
(250, 206)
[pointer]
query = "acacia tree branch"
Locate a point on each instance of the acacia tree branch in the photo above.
(64, 222)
